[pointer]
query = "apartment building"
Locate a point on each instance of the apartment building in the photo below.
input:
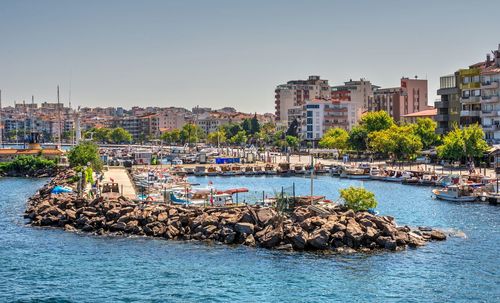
(490, 97)
(321, 115)
(296, 92)
(448, 106)
(470, 90)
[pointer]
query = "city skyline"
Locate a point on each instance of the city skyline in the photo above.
(153, 54)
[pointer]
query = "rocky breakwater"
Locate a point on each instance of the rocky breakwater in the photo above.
(338, 229)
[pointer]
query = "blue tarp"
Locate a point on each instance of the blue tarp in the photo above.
(59, 189)
(226, 160)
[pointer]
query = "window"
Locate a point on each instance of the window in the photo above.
(309, 128)
(309, 113)
(309, 120)
(466, 93)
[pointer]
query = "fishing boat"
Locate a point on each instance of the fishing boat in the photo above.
(336, 170)
(212, 171)
(284, 170)
(397, 176)
(226, 171)
(456, 193)
(248, 171)
(377, 174)
(428, 180)
(258, 170)
(299, 169)
(354, 173)
(189, 171)
(270, 170)
(236, 169)
(200, 171)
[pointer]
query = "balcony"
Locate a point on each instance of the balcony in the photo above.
(470, 85)
(470, 113)
(489, 113)
(441, 104)
(470, 99)
(442, 118)
(489, 99)
(489, 85)
(491, 127)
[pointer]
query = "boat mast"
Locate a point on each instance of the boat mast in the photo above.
(1, 119)
(59, 119)
(32, 120)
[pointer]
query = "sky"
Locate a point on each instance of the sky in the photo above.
(227, 52)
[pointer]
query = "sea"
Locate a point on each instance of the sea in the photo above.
(50, 265)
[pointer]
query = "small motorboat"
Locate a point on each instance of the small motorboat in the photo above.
(299, 169)
(200, 171)
(249, 171)
(212, 171)
(269, 170)
(456, 193)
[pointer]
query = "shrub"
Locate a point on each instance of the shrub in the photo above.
(27, 164)
(83, 153)
(358, 198)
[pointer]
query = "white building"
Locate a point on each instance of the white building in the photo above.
(295, 93)
(490, 97)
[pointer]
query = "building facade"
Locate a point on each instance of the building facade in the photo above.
(490, 98)
(448, 107)
(295, 93)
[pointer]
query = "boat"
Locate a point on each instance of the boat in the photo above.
(225, 170)
(221, 200)
(212, 171)
(377, 174)
(270, 170)
(456, 193)
(299, 169)
(248, 171)
(200, 171)
(354, 173)
(336, 170)
(428, 180)
(258, 170)
(189, 170)
(284, 169)
(236, 169)
(397, 176)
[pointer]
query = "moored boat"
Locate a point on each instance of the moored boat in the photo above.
(456, 193)
(200, 171)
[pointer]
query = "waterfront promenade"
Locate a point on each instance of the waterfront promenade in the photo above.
(119, 175)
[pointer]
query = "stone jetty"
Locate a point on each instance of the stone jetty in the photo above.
(306, 228)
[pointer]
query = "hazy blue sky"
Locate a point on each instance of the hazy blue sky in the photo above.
(229, 53)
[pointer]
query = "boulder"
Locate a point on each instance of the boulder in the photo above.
(249, 241)
(298, 239)
(319, 239)
(271, 238)
(386, 242)
(244, 228)
(265, 216)
(162, 217)
(118, 226)
(437, 235)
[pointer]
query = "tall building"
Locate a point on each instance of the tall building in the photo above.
(448, 107)
(410, 97)
(358, 93)
(470, 99)
(296, 92)
(321, 115)
(490, 97)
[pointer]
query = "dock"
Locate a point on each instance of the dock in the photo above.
(119, 175)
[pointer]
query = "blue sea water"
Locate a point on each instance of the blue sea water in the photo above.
(49, 265)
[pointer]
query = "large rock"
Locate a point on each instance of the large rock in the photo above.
(437, 235)
(270, 238)
(265, 216)
(319, 239)
(298, 239)
(387, 242)
(244, 228)
(354, 231)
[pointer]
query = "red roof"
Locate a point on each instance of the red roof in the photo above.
(424, 113)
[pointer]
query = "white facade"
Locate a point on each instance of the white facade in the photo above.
(490, 98)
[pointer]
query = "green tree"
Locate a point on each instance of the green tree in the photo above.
(358, 198)
(83, 153)
(217, 137)
(119, 135)
(358, 136)
(191, 133)
(337, 138)
(475, 145)
(376, 121)
(453, 146)
(460, 143)
(239, 138)
(425, 128)
(246, 125)
(292, 141)
(100, 135)
(399, 141)
(255, 124)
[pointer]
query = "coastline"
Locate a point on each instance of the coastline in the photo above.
(305, 229)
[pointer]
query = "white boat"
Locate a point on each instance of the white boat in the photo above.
(299, 169)
(456, 193)
(377, 174)
(397, 176)
(258, 170)
(354, 173)
(270, 170)
(200, 171)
